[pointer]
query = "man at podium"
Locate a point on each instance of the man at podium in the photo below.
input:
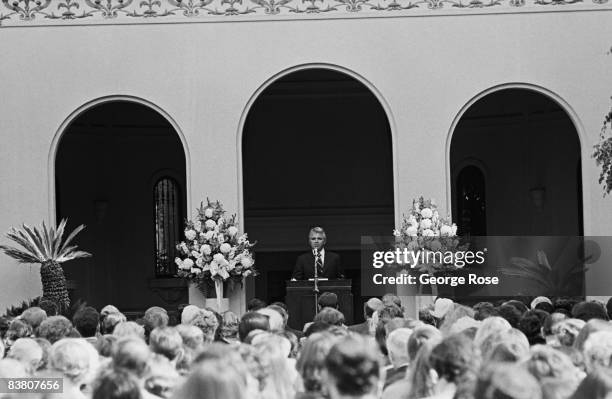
(325, 263)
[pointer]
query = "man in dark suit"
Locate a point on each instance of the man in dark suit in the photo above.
(327, 263)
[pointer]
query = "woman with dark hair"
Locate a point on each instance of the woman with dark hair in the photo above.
(116, 384)
(454, 362)
(353, 369)
(311, 362)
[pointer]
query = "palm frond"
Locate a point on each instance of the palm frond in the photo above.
(70, 236)
(19, 255)
(43, 244)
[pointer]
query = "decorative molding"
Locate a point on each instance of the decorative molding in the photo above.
(65, 12)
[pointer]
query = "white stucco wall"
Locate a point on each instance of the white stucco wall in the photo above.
(425, 69)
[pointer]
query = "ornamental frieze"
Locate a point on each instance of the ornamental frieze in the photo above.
(66, 12)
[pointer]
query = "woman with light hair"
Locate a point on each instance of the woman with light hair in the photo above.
(549, 362)
(206, 321)
(490, 326)
(274, 353)
(598, 350)
(213, 379)
(77, 361)
(129, 329)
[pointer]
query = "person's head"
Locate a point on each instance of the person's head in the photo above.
(397, 346)
(207, 322)
(86, 321)
(453, 359)
(108, 309)
(129, 329)
(193, 337)
(110, 321)
(17, 329)
(539, 300)
(511, 314)
(275, 318)
(506, 381)
(330, 316)
(252, 321)
(27, 352)
(353, 368)
(116, 384)
(609, 308)
(421, 335)
(589, 310)
(75, 358)
(505, 346)
(189, 313)
(490, 325)
(311, 360)
(482, 310)
(212, 379)
(255, 304)
(163, 377)
(50, 307)
(589, 328)
(54, 328)
(371, 306)
(596, 385)
(552, 320)
(328, 300)
(566, 330)
(598, 350)
(391, 299)
(105, 344)
(167, 342)
(11, 368)
(456, 312)
(317, 238)
(33, 316)
(155, 317)
(531, 326)
(45, 346)
(546, 361)
(132, 354)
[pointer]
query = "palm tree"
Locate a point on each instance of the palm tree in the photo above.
(46, 246)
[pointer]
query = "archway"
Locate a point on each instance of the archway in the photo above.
(120, 170)
(316, 151)
(531, 151)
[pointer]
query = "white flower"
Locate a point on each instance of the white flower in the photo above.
(220, 221)
(247, 273)
(184, 248)
(187, 264)
(197, 225)
(199, 262)
(396, 233)
(202, 235)
(178, 262)
(196, 254)
(225, 248)
(412, 220)
(190, 234)
(218, 258)
(242, 239)
(411, 231)
(209, 235)
(208, 212)
(453, 230)
(446, 231)
(247, 261)
(210, 224)
(232, 253)
(232, 231)
(428, 233)
(206, 249)
(231, 265)
(426, 213)
(196, 270)
(426, 224)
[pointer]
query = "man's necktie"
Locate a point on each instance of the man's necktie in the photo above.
(319, 264)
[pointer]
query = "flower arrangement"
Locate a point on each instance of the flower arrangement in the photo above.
(213, 250)
(423, 231)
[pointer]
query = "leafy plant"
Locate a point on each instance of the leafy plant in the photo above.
(603, 154)
(47, 247)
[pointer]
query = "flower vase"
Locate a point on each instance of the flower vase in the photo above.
(215, 300)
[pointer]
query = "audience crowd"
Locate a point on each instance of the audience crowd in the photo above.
(545, 349)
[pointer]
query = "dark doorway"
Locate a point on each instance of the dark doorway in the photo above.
(317, 151)
(120, 170)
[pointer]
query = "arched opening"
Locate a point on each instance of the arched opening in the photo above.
(317, 151)
(530, 148)
(120, 170)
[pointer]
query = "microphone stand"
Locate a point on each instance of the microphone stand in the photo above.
(316, 283)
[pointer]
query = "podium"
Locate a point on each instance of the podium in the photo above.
(300, 300)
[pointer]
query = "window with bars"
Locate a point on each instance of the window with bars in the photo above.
(168, 221)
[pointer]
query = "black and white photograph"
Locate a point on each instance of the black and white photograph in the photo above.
(306, 199)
